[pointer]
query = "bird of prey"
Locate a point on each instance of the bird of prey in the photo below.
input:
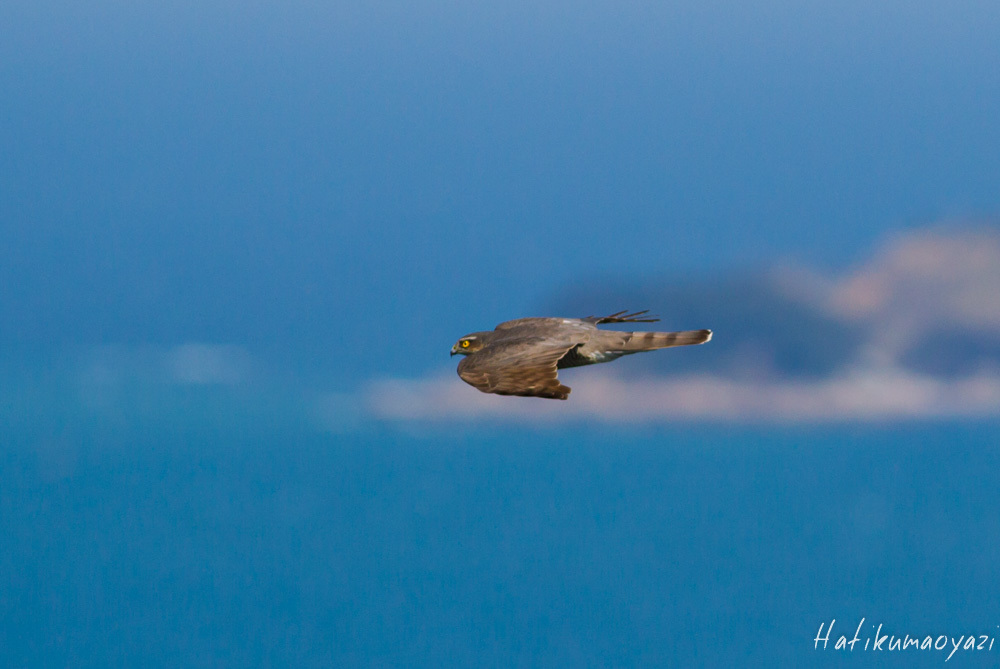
(523, 356)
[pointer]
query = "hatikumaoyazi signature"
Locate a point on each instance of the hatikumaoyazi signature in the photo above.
(891, 642)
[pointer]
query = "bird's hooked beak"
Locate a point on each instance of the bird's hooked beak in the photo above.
(454, 350)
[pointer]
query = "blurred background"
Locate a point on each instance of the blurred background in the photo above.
(239, 240)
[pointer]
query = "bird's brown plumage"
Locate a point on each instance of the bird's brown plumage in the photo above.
(523, 356)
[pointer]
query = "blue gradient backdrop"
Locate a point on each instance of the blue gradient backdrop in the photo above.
(309, 180)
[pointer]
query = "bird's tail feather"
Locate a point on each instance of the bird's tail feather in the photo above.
(650, 341)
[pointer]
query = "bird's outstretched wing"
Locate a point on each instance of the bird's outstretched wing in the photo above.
(559, 325)
(622, 317)
(523, 366)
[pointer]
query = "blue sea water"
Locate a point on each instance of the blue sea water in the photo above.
(188, 540)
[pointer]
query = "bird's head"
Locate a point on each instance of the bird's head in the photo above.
(470, 343)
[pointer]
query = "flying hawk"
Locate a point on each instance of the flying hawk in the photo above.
(523, 356)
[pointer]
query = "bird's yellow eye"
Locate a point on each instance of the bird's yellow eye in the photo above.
(465, 343)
